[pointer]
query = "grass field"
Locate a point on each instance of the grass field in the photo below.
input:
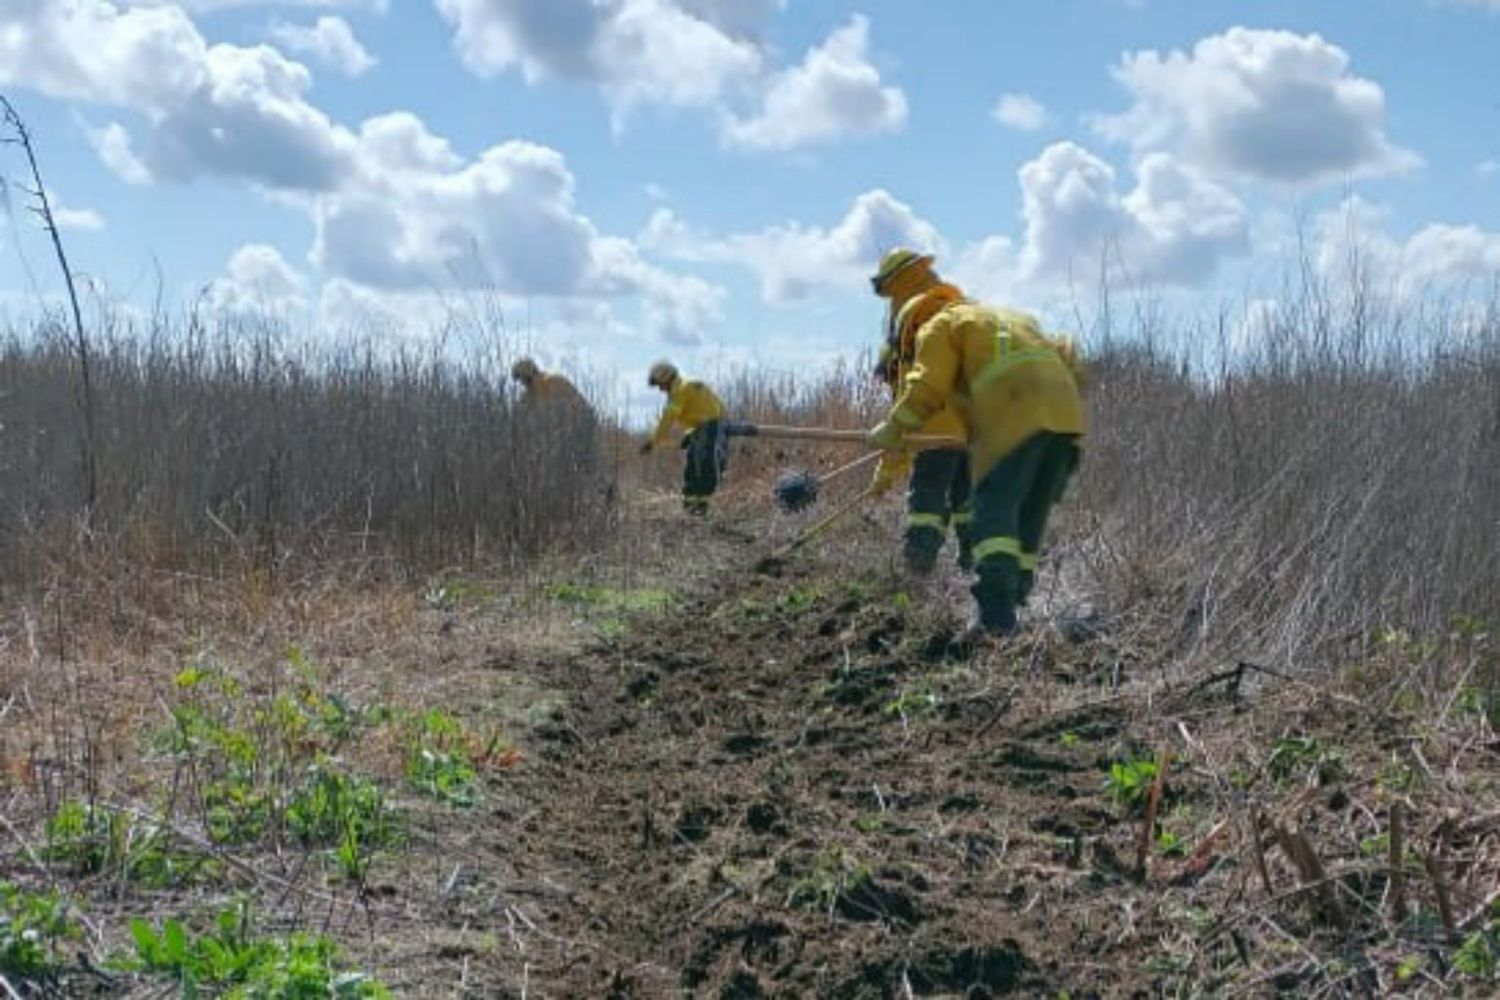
(349, 682)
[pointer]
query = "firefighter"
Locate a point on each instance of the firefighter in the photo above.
(1018, 390)
(937, 494)
(695, 408)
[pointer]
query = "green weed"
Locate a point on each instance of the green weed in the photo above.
(344, 813)
(1293, 756)
(833, 875)
(438, 760)
(32, 927)
(1130, 780)
(298, 968)
(644, 600)
(914, 703)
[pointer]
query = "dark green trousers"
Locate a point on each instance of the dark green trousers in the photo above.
(937, 499)
(1011, 506)
(707, 449)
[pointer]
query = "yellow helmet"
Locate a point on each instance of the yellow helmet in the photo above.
(894, 262)
(524, 370)
(662, 375)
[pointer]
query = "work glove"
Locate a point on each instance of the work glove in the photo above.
(646, 447)
(887, 436)
(893, 467)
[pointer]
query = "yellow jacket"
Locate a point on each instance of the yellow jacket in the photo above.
(690, 404)
(947, 422)
(550, 388)
(1001, 371)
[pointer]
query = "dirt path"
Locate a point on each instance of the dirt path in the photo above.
(785, 789)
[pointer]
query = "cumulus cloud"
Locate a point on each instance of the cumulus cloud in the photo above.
(1021, 112)
(1356, 249)
(418, 216)
(834, 93)
(257, 280)
(219, 109)
(370, 6)
(330, 40)
(671, 52)
(1257, 104)
(1174, 227)
(793, 260)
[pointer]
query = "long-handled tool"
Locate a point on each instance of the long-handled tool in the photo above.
(833, 434)
(773, 561)
(798, 490)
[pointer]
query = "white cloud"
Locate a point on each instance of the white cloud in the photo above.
(1021, 112)
(217, 109)
(417, 216)
(367, 6)
(329, 39)
(836, 92)
(1266, 105)
(258, 280)
(1488, 168)
(1356, 250)
(1174, 227)
(672, 52)
(115, 149)
(85, 219)
(793, 260)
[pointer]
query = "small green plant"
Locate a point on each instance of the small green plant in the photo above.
(1130, 780)
(1407, 968)
(833, 875)
(297, 968)
(1479, 955)
(86, 838)
(32, 926)
(91, 839)
(438, 760)
(1169, 843)
(869, 823)
(345, 813)
(1069, 739)
(798, 600)
(645, 600)
(913, 703)
(1300, 755)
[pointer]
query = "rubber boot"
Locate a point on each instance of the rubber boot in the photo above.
(920, 551)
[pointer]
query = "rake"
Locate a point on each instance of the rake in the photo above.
(798, 490)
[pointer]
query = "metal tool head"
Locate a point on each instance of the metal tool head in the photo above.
(796, 491)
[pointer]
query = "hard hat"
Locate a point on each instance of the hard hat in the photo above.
(662, 375)
(893, 263)
(524, 370)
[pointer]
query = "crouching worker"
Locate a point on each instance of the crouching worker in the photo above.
(1019, 393)
(692, 406)
(938, 488)
(545, 387)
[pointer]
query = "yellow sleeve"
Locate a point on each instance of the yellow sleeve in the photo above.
(929, 385)
(669, 416)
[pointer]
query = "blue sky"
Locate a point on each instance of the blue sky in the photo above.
(712, 179)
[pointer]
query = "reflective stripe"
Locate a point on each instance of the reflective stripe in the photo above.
(961, 518)
(997, 547)
(937, 521)
(906, 418)
(1028, 561)
(1007, 359)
